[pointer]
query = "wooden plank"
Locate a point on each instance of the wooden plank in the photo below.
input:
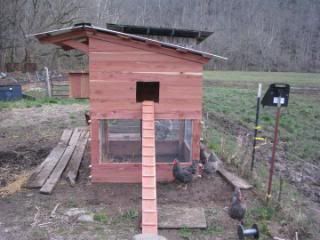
(196, 133)
(79, 85)
(170, 80)
(127, 114)
(233, 179)
(139, 66)
(181, 139)
(42, 172)
(55, 175)
(94, 143)
(188, 217)
(149, 48)
(134, 56)
(66, 135)
(75, 34)
(74, 164)
(76, 45)
(129, 172)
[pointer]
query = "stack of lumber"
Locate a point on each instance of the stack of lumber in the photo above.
(65, 159)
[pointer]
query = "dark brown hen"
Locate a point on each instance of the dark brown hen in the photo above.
(183, 175)
(237, 209)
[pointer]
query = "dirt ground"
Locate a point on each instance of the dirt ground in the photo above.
(26, 138)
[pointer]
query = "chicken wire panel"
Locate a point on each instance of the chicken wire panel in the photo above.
(171, 140)
(120, 140)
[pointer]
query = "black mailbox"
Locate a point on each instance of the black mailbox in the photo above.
(276, 92)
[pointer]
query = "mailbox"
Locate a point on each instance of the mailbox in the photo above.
(276, 92)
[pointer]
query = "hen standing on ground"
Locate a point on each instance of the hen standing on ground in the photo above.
(238, 209)
(211, 165)
(183, 175)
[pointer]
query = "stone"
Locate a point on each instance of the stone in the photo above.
(148, 237)
(85, 218)
(75, 212)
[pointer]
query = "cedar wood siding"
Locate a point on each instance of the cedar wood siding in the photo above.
(114, 68)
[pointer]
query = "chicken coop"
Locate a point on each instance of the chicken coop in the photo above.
(124, 71)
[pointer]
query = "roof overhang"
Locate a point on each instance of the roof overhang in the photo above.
(76, 37)
(199, 36)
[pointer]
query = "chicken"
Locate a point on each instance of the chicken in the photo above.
(211, 165)
(203, 154)
(237, 209)
(183, 175)
(87, 116)
(193, 168)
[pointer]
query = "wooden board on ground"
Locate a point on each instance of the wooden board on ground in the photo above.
(188, 217)
(74, 163)
(41, 173)
(233, 179)
(54, 177)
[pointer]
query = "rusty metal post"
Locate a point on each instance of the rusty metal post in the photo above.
(256, 127)
(275, 142)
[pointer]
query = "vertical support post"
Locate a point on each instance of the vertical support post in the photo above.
(275, 142)
(181, 138)
(256, 127)
(94, 135)
(196, 133)
(48, 82)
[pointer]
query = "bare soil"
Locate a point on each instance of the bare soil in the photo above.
(28, 135)
(26, 138)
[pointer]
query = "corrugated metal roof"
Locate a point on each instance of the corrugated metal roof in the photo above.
(135, 37)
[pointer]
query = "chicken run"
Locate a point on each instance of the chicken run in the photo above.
(145, 112)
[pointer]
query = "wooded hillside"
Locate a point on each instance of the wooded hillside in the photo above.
(273, 35)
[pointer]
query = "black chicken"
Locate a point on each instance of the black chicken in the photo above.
(193, 168)
(237, 209)
(183, 175)
(87, 116)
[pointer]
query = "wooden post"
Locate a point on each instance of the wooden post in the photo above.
(181, 138)
(196, 133)
(275, 142)
(102, 139)
(48, 82)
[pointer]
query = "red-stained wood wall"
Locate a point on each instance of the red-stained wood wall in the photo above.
(115, 65)
(79, 85)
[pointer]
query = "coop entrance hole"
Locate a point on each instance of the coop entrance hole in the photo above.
(147, 91)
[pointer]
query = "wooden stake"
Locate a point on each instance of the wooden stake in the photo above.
(48, 82)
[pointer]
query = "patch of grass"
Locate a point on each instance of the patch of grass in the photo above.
(100, 217)
(130, 214)
(39, 234)
(71, 203)
(185, 233)
(302, 79)
(28, 103)
(214, 230)
(299, 131)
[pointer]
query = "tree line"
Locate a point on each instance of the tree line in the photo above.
(259, 35)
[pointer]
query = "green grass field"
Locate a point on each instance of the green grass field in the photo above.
(300, 121)
(230, 101)
(295, 79)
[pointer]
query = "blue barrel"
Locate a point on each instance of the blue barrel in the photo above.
(10, 92)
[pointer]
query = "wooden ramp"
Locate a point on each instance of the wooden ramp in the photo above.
(149, 188)
(66, 156)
